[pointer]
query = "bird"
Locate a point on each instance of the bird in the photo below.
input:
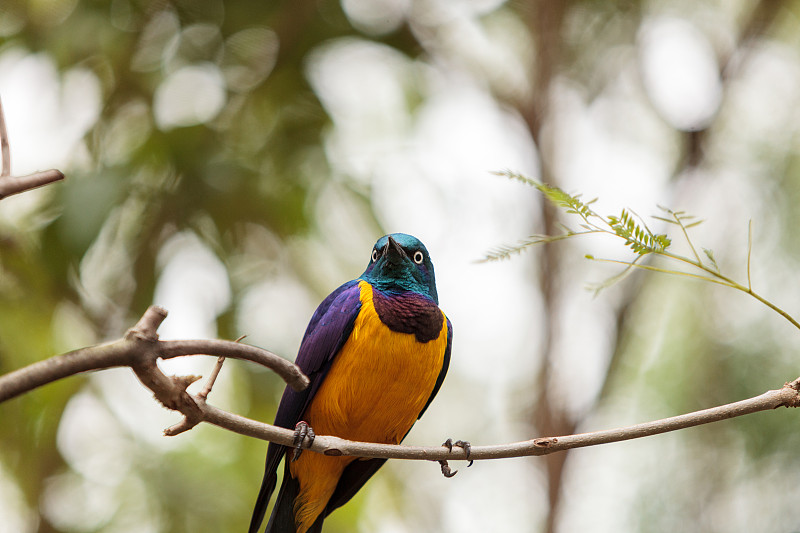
(376, 352)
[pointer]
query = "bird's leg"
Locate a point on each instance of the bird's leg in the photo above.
(461, 444)
(302, 431)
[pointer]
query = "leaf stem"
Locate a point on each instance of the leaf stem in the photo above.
(641, 240)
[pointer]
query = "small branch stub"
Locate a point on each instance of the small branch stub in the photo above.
(212, 378)
(147, 326)
(795, 400)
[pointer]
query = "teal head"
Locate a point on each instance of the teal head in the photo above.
(399, 263)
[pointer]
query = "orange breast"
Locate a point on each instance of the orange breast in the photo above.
(374, 391)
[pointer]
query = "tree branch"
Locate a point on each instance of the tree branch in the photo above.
(140, 348)
(787, 396)
(9, 184)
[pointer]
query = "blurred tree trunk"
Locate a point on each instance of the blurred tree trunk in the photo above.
(545, 19)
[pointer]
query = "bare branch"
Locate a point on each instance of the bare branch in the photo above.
(787, 396)
(140, 348)
(43, 372)
(285, 369)
(9, 184)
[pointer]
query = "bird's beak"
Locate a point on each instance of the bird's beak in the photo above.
(393, 252)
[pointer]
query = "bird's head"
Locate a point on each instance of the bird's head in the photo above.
(400, 262)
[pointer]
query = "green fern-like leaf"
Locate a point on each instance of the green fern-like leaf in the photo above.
(518, 177)
(572, 204)
(506, 251)
(637, 237)
(710, 255)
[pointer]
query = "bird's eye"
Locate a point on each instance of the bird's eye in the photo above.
(374, 255)
(418, 257)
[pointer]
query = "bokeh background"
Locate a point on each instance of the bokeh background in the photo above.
(235, 161)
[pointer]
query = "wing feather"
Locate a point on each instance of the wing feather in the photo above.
(328, 330)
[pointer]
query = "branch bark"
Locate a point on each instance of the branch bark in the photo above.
(140, 348)
(9, 184)
(786, 396)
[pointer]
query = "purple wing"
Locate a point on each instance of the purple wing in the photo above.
(443, 371)
(328, 330)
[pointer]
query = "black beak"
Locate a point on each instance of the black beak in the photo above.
(393, 252)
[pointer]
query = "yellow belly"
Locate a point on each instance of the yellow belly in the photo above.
(374, 391)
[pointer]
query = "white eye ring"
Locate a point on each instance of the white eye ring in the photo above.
(374, 255)
(418, 257)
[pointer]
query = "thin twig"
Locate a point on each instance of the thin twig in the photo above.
(686, 236)
(214, 373)
(212, 378)
(714, 277)
(661, 270)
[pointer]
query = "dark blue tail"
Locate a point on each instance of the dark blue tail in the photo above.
(355, 475)
(282, 518)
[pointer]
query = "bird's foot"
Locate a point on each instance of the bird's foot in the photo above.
(446, 472)
(303, 438)
(465, 445)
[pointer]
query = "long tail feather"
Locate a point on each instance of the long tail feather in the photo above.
(282, 518)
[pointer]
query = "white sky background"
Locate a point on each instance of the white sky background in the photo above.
(430, 176)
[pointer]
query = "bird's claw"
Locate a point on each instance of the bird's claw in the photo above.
(303, 438)
(465, 445)
(446, 472)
